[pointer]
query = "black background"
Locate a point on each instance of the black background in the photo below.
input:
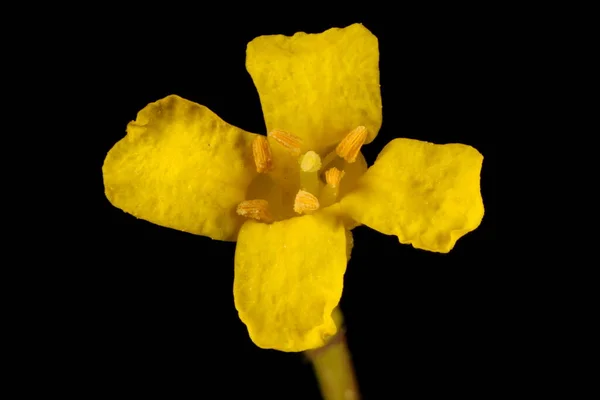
(160, 319)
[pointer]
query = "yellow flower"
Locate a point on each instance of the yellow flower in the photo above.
(290, 198)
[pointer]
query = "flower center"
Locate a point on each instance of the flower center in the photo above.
(317, 189)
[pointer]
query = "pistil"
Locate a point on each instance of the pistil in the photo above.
(310, 164)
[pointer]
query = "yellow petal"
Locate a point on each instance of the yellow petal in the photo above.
(426, 194)
(288, 279)
(182, 167)
(318, 86)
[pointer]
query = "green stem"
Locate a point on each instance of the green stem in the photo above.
(333, 366)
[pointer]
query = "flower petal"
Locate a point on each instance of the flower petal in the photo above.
(318, 86)
(426, 194)
(289, 277)
(182, 167)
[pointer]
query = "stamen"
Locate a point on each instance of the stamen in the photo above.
(329, 194)
(329, 158)
(333, 176)
(350, 146)
(256, 209)
(305, 202)
(311, 162)
(262, 154)
(290, 142)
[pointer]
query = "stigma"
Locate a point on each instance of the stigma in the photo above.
(311, 162)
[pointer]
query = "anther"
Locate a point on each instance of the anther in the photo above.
(305, 202)
(350, 146)
(255, 209)
(333, 176)
(262, 154)
(290, 142)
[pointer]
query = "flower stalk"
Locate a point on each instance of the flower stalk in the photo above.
(333, 366)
